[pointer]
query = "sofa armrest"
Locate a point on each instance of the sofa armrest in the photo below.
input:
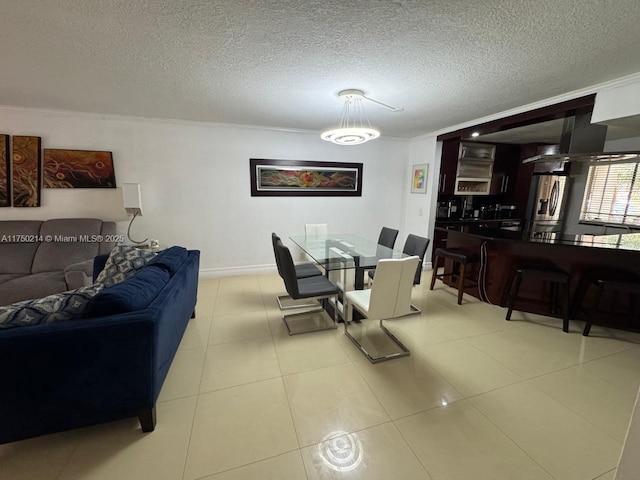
(79, 274)
(76, 373)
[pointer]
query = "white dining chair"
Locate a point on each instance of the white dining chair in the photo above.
(390, 297)
(315, 229)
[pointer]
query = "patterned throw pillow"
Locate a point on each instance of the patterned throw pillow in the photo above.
(123, 262)
(54, 308)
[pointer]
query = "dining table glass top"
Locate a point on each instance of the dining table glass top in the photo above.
(340, 251)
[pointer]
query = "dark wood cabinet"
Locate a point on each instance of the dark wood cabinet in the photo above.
(448, 167)
(505, 170)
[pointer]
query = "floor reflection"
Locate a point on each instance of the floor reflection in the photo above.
(341, 451)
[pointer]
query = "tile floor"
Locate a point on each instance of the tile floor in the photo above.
(479, 398)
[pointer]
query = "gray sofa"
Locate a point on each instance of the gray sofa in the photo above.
(38, 258)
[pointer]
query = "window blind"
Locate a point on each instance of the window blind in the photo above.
(612, 194)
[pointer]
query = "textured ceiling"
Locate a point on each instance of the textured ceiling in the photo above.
(281, 63)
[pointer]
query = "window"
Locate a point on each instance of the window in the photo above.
(613, 194)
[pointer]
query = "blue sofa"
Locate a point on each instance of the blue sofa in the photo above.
(71, 374)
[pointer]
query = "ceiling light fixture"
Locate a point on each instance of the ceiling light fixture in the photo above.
(354, 125)
(475, 134)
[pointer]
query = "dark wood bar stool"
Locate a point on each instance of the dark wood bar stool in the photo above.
(460, 258)
(556, 278)
(613, 283)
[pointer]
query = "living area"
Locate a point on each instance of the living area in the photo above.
(478, 397)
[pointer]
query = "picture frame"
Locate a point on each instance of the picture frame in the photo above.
(270, 178)
(5, 172)
(26, 170)
(64, 168)
(419, 178)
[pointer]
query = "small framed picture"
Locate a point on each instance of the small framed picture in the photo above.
(419, 178)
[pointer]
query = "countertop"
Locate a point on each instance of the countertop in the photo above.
(626, 241)
(472, 221)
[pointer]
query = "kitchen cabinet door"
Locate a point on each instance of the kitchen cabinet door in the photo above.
(505, 169)
(448, 167)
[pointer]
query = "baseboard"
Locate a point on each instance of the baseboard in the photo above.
(237, 271)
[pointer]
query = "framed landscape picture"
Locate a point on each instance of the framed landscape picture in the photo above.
(419, 178)
(304, 178)
(78, 169)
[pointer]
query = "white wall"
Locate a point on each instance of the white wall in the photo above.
(421, 208)
(617, 101)
(195, 183)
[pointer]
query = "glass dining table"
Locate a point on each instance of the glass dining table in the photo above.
(345, 257)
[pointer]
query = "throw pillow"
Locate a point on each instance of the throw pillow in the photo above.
(123, 262)
(170, 259)
(54, 308)
(135, 293)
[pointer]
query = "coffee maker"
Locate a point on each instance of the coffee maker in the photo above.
(449, 209)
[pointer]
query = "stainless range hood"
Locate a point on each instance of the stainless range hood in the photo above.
(585, 157)
(579, 140)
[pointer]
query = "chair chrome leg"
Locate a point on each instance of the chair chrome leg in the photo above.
(303, 304)
(403, 353)
(330, 326)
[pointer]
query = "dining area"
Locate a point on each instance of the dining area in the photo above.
(350, 279)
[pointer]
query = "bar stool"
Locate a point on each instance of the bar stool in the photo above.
(459, 257)
(614, 282)
(555, 276)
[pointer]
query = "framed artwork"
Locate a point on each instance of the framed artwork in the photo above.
(304, 178)
(26, 171)
(78, 169)
(5, 172)
(419, 178)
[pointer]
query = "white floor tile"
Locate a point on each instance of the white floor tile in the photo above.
(286, 466)
(563, 443)
(329, 400)
(457, 442)
(238, 363)
(377, 453)
(240, 425)
(120, 449)
(407, 385)
(468, 369)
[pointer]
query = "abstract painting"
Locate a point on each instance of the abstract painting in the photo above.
(78, 169)
(26, 168)
(419, 178)
(5, 173)
(302, 178)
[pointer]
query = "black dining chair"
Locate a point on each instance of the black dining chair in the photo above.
(387, 237)
(303, 270)
(413, 245)
(316, 288)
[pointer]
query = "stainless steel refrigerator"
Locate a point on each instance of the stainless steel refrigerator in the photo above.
(546, 208)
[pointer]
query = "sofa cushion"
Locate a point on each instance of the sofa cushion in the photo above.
(10, 228)
(5, 277)
(123, 262)
(135, 293)
(17, 257)
(27, 287)
(66, 241)
(170, 259)
(53, 308)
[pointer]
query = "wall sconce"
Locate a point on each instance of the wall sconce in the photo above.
(132, 200)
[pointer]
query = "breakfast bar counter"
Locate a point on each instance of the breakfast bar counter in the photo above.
(579, 255)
